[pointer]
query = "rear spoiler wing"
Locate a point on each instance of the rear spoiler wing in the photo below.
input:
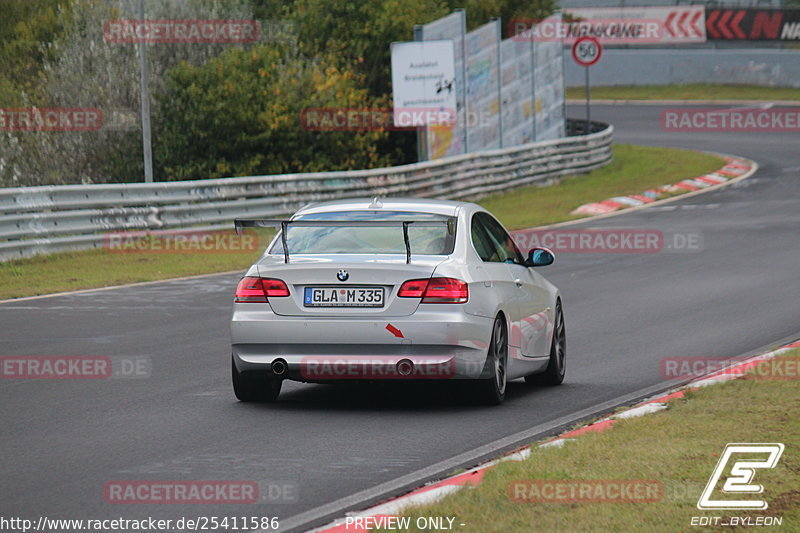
(239, 224)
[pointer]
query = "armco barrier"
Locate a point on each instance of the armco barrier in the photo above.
(63, 217)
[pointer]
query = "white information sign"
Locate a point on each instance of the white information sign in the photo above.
(423, 83)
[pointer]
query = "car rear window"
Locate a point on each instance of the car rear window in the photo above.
(368, 240)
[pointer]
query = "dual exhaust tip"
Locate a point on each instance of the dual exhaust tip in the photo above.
(404, 367)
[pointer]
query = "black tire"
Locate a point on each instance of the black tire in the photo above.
(557, 367)
(492, 389)
(253, 387)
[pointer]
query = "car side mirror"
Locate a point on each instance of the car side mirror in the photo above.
(539, 257)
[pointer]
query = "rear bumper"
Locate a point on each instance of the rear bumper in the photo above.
(443, 343)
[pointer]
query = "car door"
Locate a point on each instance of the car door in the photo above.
(492, 274)
(530, 299)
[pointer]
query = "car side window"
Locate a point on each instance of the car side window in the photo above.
(483, 244)
(507, 251)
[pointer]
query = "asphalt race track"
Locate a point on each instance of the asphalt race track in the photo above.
(63, 440)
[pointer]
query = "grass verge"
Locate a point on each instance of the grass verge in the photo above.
(694, 91)
(677, 448)
(634, 169)
(85, 269)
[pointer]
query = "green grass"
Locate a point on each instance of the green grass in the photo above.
(694, 91)
(634, 169)
(67, 271)
(677, 448)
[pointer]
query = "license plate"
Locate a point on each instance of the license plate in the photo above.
(343, 297)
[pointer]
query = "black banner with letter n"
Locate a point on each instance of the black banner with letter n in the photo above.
(753, 24)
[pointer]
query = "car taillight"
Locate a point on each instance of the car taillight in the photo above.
(250, 289)
(435, 290)
(274, 287)
(445, 291)
(413, 288)
(256, 290)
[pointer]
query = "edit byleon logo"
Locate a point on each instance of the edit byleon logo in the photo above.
(739, 481)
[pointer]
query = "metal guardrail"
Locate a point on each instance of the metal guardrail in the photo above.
(63, 217)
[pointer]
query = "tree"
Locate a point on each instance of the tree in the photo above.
(26, 29)
(479, 12)
(239, 115)
(53, 54)
(81, 69)
(360, 33)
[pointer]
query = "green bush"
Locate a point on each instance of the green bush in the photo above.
(218, 109)
(239, 115)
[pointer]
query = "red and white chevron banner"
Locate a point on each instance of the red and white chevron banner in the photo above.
(676, 24)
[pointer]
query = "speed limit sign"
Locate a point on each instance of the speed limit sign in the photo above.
(587, 51)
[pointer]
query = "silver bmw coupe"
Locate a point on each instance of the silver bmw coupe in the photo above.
(394, 289)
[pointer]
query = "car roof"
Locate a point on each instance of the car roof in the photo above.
(438, 207)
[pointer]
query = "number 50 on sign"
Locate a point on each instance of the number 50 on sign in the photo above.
(587, 51)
